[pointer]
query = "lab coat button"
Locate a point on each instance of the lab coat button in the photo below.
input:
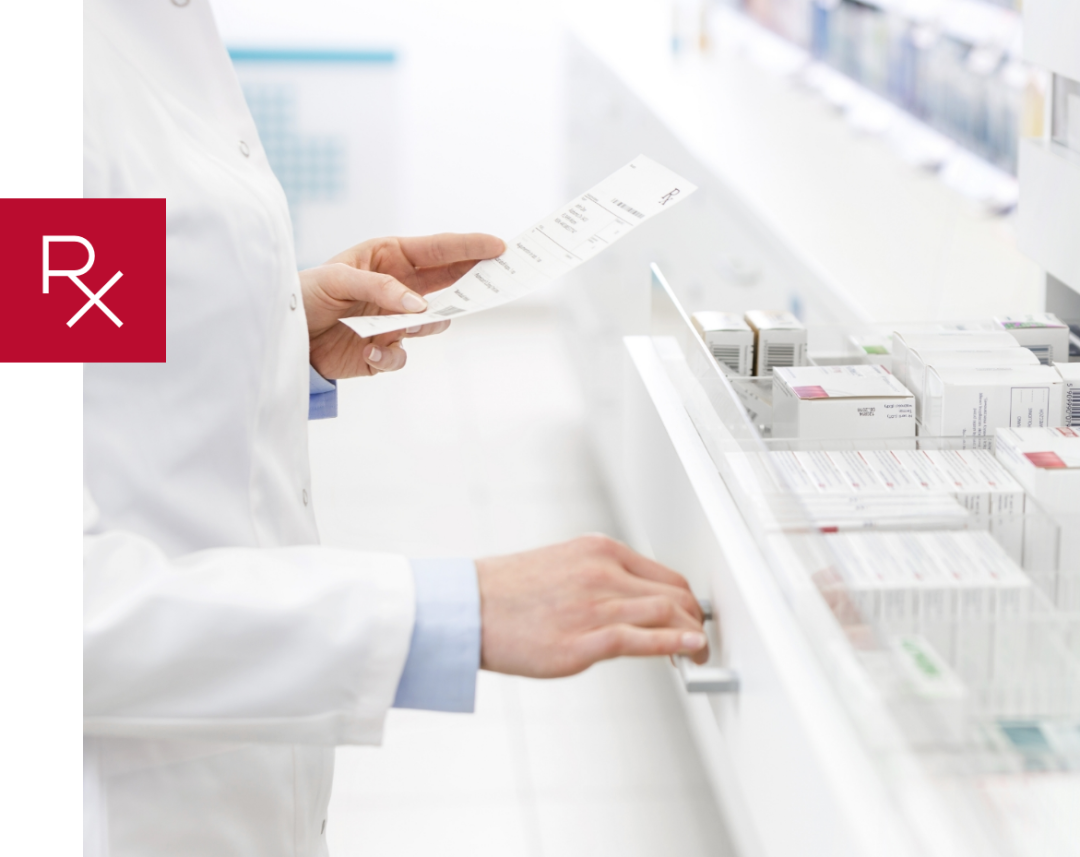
(304, 495)
(292, 301)
(244, 150)
(180, 2)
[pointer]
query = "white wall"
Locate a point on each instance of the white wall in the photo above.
(480, 121)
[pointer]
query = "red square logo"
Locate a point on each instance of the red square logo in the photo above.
(85, 281)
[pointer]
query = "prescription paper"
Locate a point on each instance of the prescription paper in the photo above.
(556, 245)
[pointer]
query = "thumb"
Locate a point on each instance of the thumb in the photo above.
(354, 286)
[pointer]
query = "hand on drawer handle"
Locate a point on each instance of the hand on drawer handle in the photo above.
(706, 679)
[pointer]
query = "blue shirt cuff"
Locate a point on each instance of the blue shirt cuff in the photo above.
(322, 400)
(444, 653)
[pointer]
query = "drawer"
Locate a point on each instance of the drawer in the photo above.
(785, 760)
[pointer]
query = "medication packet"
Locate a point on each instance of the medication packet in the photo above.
(823, 402)
(728, 338)
(1044, 333)
(779, 340)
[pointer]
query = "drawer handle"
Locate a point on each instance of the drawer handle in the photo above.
(705, 678)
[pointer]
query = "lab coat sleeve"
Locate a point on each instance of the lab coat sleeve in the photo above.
(444, 653)
(296, 645)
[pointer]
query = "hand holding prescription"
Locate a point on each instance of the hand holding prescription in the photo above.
(383, 275)
(560, 242)
(557, 610)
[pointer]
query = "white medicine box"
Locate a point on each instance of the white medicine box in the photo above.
(728, 338)
(972, 403)
(841, 402)
(919, 360)
(779, 340)
(904, 344)
(1044, 333)
(1046, 462)
(1070, 408)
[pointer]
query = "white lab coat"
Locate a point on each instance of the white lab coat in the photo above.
(225, 652)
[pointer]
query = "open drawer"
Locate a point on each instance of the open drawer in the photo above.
(833, 740)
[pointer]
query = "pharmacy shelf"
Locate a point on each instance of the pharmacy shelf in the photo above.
(1048, 221)
(1053, 36)
(888, 239)
(976, 22)
(799, 208)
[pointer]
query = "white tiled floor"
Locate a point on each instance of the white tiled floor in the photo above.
(478, 447)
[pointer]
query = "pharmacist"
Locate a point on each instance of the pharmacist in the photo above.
(225, 652)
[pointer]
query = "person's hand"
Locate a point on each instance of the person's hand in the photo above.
(557, 610)
(379, 277)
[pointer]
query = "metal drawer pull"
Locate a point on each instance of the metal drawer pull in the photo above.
(705, 678)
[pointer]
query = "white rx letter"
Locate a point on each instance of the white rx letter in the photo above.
(47, 272)
(94, 299)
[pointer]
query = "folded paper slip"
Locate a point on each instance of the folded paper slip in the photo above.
(556, 245)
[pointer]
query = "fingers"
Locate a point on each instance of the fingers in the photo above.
(426, 329)
(653, 611)
(642, 566)
(616, 641)
(385, 358)
(447, 248)
(624, 572)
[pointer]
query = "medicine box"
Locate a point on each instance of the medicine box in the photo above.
(972, 403)
(834, 513)
(883, 484)
(840, 402)
(1044, 333)
(983, 487)
(873, 348)
(1070, 406)
(1046, 462)
(902, 333)
(919, 359)
(915, 580)
(728, 338)
(779, 340)
(947, 340)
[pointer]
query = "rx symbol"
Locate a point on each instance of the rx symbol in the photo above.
(667, 197)
(94, 298)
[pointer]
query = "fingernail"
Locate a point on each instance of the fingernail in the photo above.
(375, 356)
(692, 641)
(415, 329)
(413, 303)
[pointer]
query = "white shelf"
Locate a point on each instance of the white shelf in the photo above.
(889, 239)
(1049, 223)
(1052, 35)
